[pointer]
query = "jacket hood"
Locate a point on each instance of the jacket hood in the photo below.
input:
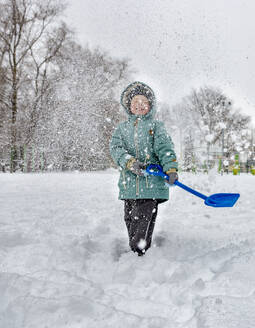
(137, 88)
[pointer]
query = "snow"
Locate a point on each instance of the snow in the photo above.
(65, 260)
(221, 125)
(142, 244)
(226, 162)
(209, 137)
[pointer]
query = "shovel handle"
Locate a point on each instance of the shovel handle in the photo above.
(192, 191)
(155, 169)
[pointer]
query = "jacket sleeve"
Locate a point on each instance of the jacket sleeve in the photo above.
(117, 149)
(164, 148)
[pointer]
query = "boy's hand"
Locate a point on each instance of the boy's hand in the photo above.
(135, 166)
(173, 176)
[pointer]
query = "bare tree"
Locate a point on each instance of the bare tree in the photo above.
(30, 37)
(214, 115)
(206, 118)
(83, 108)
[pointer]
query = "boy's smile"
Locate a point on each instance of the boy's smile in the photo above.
(140, 105)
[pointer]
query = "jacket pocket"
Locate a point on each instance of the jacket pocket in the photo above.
(122, 184)
(146, 182)
(155, 182)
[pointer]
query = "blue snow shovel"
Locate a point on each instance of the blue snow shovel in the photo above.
(215, 200)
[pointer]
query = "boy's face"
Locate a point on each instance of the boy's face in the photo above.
(139, 105)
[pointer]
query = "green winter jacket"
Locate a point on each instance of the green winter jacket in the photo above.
(145, 139)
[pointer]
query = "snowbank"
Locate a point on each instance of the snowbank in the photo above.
(64, 257)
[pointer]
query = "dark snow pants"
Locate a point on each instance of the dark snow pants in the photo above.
(140, 216)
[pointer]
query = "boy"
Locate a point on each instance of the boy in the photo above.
(135, 143)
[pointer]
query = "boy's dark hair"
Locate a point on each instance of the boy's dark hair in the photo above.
(137, 88)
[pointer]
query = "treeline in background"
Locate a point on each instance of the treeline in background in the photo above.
(59, 101)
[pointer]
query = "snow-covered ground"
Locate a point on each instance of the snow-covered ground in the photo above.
(64, 259)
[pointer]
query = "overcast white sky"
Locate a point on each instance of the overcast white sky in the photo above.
(176, 44)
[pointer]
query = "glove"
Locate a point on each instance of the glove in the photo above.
(135, 166)
(172, 176)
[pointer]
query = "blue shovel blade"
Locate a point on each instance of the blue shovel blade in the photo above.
(215, 200)
(222, 200)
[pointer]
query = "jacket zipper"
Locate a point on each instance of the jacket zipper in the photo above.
(137, 150)
(147, 158)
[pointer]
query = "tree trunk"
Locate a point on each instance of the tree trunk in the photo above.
(14, 153)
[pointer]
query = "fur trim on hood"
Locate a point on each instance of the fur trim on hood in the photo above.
(138, 88)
